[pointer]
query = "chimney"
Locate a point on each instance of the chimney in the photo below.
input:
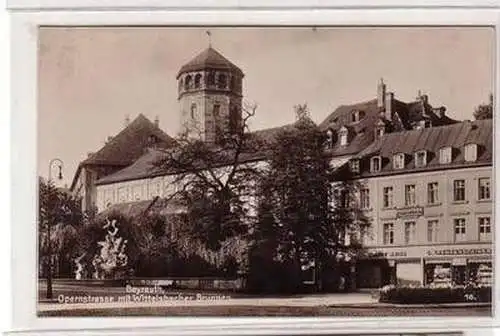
(381, 94)
(127, 121)
(109, 138)
(440, 112)
(89, 154)
(157, 121)
(389, 100)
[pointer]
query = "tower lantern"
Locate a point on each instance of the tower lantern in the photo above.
(210, 96)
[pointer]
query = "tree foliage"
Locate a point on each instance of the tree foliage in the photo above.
(300, 223)
(213, 180)
(60, 213)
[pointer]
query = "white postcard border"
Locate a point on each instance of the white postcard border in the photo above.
(24, 165)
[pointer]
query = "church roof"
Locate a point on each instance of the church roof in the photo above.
(209, 59)
(127, 146)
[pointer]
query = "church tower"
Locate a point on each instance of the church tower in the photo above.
(210, 96)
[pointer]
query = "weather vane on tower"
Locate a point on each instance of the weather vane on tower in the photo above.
(209, 34)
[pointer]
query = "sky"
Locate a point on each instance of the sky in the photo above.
(91, 78)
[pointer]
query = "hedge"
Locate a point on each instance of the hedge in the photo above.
(423, 295)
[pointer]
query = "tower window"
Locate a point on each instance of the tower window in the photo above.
(211, 78)
(222, 84)
(197, 81)
(193, 111)
(188, 82)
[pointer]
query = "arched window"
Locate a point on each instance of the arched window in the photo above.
(187, 83)
(197, 81)
(193, 111)
(211, 78)
(222, 83)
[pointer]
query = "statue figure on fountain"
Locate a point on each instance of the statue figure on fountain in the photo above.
(110, 259)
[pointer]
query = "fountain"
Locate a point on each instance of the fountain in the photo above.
(110, 258)
(79, 267)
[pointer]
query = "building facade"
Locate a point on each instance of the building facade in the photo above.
(430, 205)
(427, 179)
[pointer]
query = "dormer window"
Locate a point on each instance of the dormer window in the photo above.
(354, 166)
(329, 138)
(470, 152)
(445, 155)
(398, 161)
(376, 164)
(354, 116)
(343, 133)
(421, 158)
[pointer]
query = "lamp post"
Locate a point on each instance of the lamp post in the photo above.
(49, 243)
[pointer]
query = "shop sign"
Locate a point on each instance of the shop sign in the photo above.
(390, 254)
(459, 251)
(410, 213)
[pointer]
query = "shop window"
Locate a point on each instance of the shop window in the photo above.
(438, 275)
(432, 193)
(459, 190)
(410, 196)
(398, 161)
(459, 228)
(470, 152)
(445, 155)
(481, 273)
(432, 231)
(388, 233)
(388, 197)
(365, 198)
(484, 228)
(421, 158)
(410, 232)
(376, 164)
(484, 189)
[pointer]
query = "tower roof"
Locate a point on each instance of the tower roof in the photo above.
(209, 59)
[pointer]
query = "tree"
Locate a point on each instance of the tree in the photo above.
(484, 111)
(297, 222)
(60, 214)
(213, 179)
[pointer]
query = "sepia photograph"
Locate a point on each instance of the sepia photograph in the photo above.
(265, 171)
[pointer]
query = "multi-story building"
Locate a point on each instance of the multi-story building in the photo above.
(427, 178)
(428, 194)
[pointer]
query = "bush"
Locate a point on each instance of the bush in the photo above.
(426, 295)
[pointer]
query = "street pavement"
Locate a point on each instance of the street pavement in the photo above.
(76, 300)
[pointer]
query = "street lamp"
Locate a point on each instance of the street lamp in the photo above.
(49, 243)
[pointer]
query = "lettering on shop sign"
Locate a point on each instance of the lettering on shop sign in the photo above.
(410, 213)
(393, 254)
(452, 252)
